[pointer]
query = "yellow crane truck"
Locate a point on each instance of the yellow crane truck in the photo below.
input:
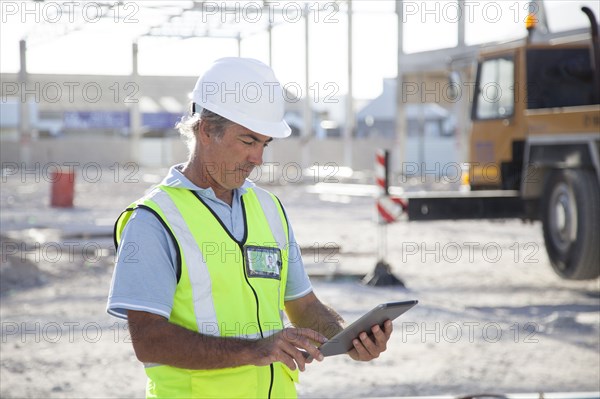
(534, 149)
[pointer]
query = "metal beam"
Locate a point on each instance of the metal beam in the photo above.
(135, 114)
(400, 144)
(350, 117)
(307, 109)
(24, 127)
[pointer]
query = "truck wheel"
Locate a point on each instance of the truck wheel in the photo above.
(571, 223)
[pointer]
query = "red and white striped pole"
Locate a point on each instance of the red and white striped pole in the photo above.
(381, 171)
(388, 210)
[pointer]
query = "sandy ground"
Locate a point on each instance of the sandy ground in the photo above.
(492, 317)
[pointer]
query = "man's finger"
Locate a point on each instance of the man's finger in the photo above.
(388, 327)
(291, 349)
(300, 339)
(299, 359)
(295, 355)
(287, 360)
(369, 345)
(360, 350)
(380, 338)
(295, 333)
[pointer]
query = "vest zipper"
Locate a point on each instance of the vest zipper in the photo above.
(271, 370)
(272, 379)
(255, 295)
(257, 313)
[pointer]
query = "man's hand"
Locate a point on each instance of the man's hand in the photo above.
(366, 348)
(285, 347)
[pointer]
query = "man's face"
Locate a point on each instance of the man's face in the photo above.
(229, 160)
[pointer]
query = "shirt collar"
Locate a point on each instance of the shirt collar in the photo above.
(176, 179)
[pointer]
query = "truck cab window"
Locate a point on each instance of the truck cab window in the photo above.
(495, 89)
(559, 78)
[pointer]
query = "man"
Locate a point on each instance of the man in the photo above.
(203, 320)
(271, 264)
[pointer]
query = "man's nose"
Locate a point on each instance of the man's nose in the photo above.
(256, 155)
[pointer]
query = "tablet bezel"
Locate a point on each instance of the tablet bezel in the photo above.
(342, 341)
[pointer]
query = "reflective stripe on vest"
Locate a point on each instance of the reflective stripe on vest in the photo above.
(198, 275)
(216, 296)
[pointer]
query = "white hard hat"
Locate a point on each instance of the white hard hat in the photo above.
(245, 91)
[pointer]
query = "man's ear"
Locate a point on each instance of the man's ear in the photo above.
(203, 134)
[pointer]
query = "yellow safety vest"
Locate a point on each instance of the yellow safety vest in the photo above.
(225, 288)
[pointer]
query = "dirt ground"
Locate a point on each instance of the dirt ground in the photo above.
(492, 315)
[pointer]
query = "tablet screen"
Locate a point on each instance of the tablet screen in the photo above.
(342, 342)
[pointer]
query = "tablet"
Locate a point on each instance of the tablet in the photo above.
(342, 342)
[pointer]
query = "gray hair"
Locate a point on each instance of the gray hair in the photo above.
(188, 126)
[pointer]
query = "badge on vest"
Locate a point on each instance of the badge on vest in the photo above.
(263, 262)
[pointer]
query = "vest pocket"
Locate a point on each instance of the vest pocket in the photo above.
(238, 382)
(284, 384)
(168, 382)
(172, 382)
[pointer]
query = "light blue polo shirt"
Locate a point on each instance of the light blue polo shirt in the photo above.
(145, 274)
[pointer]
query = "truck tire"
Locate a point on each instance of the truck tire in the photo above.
(571, 223)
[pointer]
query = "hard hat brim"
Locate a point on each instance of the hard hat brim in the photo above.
(277, 130)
